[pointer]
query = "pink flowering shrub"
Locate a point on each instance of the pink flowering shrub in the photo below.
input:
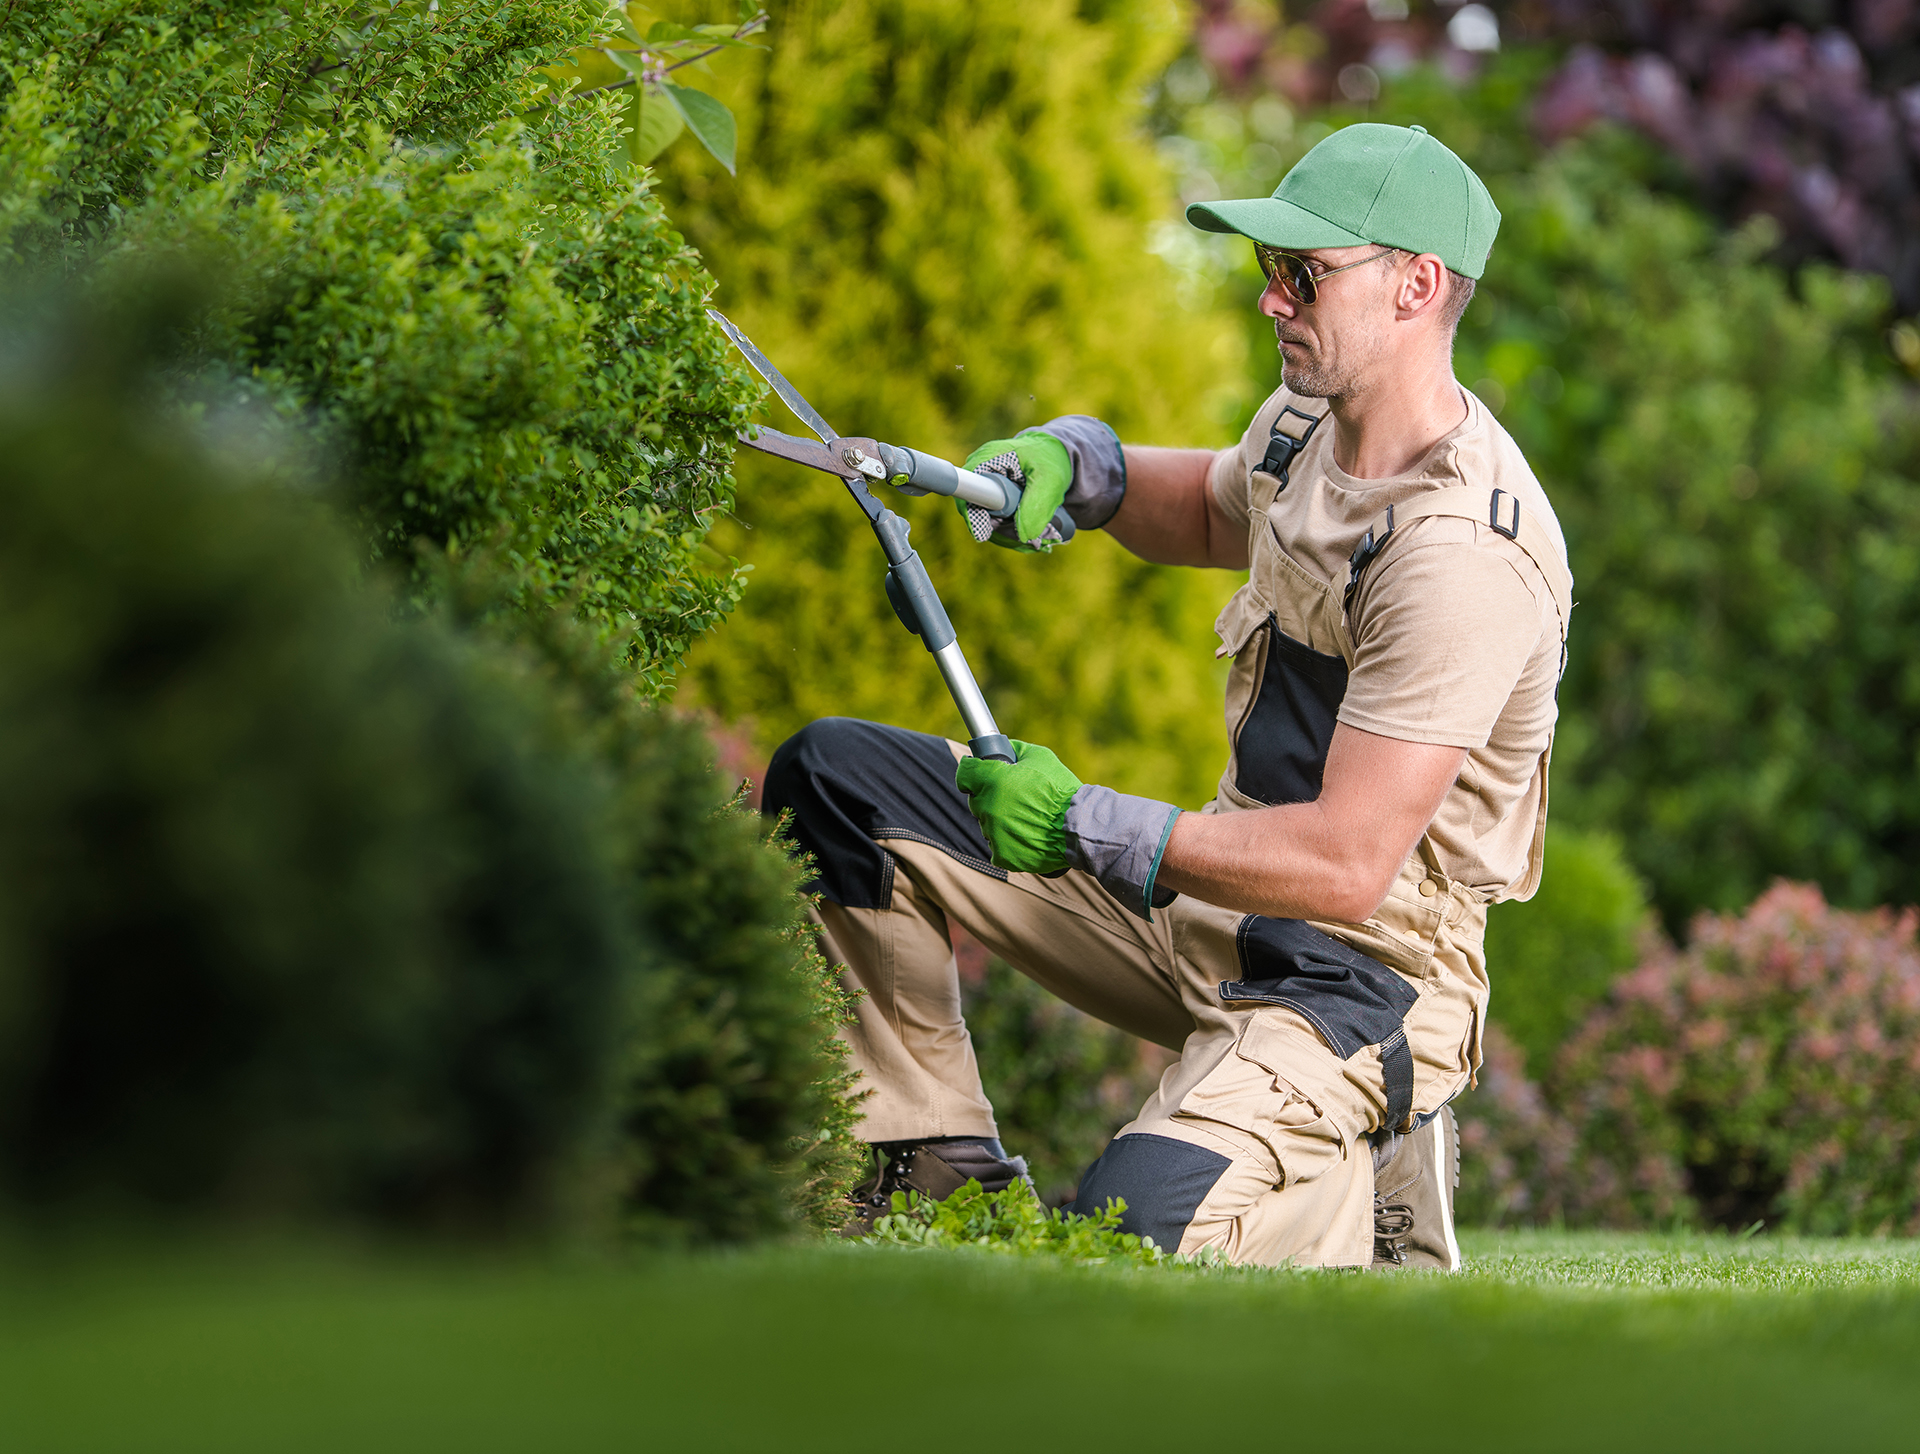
(1768, 1072)
(1516, 1151)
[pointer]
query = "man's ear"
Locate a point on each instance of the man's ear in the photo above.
(1423, 286)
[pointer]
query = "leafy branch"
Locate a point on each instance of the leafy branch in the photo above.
(640, 62)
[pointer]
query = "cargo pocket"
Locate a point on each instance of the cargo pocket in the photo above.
(1249, 1092)
(1353, 1001)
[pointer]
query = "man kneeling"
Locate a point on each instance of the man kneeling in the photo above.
(1310, 941)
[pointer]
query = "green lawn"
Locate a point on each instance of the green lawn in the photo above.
(1551, 1342)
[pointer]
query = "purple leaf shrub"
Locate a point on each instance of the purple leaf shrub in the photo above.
(1768, 1072)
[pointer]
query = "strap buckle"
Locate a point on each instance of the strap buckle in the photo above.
(1493, 515)
(1284, 448)
(1363, 556)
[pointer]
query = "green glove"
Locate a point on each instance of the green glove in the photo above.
(1022, 807)
(1049, 475)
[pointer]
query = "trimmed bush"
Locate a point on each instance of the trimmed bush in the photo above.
(486, 315)
(308, 913)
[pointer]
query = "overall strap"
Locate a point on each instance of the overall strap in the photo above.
(1497, 509)
(1289, 435)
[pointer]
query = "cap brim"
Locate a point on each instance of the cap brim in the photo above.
(1269, 220)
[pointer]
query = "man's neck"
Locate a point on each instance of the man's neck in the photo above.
(1387, 429)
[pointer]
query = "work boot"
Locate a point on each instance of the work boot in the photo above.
(1414, 1176)
(934, 1169)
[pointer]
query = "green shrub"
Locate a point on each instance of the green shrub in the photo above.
(1060, 1081)
(939, 235)
(489, 320)
(308, 913)
(1014, 1223)
(1551, 957)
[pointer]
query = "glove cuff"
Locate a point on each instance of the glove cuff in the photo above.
(1099, 468)
(1119, 839)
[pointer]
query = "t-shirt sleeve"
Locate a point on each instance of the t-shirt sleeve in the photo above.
(1444, 625)
(1231, 478)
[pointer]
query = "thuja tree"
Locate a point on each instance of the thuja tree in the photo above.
(941, 238)
(459, 288)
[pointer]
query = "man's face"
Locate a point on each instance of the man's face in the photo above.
(1329, 348)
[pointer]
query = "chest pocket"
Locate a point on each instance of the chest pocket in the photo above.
(1281, 748)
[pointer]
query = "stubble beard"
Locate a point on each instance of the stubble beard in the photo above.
(1310, 378)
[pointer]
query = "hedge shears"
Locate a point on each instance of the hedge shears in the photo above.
(855, 461)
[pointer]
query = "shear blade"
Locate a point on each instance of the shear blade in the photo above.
(763, 366)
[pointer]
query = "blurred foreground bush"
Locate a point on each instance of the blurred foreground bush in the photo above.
(1766, 1073)
(308, 914)
(940, 237)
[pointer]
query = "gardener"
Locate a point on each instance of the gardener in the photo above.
(1310, 941)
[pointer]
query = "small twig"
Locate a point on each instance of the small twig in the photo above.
(757, 23)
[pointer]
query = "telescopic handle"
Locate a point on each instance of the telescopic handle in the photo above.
(918, 606)
(996, 494)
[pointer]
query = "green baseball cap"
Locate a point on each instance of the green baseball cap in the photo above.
(1394, 186)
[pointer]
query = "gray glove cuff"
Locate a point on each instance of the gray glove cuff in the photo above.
(1118, 839)
(1099, 468)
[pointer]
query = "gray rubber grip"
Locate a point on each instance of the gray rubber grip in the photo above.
(994, 749)
(995, 493)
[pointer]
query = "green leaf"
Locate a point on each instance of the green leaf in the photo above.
(663, 31)
(708, 119)
(626, 25)
(656, 121)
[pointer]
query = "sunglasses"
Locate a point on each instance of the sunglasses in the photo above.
(1295, 274)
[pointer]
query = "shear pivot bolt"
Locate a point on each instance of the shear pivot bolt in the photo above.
(868, 466)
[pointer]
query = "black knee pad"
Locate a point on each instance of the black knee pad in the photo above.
(1162, 1181)
(849, 783)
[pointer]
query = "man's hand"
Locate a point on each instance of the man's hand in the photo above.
(1022, 807)
(1048, 471)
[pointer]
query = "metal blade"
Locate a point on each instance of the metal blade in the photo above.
(763, 366)
(799, 450)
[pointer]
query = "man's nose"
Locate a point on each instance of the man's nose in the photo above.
(1275, 302)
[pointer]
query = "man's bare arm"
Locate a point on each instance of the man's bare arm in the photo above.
(1334, 858)
(1170, 516)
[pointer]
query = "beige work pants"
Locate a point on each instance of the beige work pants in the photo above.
(1256, 1085)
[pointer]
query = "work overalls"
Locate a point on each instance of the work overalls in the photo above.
(1297, 1042)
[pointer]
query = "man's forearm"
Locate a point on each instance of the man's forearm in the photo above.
(1169, 515)
(1289, 862)
(1334, 858)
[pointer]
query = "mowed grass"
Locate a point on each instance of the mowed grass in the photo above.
(1550, 1342)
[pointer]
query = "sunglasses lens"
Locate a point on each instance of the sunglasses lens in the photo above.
(1290, 271)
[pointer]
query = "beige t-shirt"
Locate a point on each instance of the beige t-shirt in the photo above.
(1454, 637)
